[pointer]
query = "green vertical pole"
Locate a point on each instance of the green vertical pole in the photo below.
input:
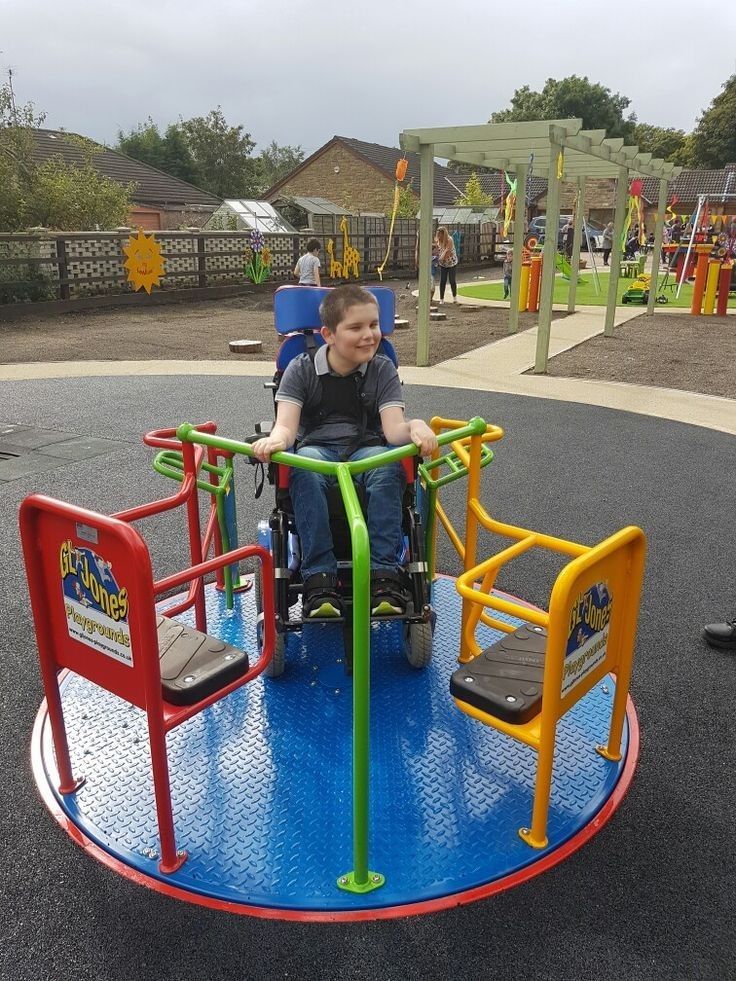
(658, 232)
(361, 879)
(622, 190)
(426, 199)
(577, 241)
(519, 215)
(549, 267)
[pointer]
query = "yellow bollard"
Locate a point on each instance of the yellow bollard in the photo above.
(524, 286)
(711, 286)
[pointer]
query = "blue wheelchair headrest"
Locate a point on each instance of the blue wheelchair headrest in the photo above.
(297, 307)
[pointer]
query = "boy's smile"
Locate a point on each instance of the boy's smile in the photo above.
(355, 339)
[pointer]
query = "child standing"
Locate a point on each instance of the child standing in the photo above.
(319, 405)
(307, 268)
(508, 264)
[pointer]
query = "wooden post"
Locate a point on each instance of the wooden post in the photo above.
(426, 197)
(577, 241)
(622, 189)
(549, 265)
(658, 233)
(201, 262)
(63, 267)
(519, 212)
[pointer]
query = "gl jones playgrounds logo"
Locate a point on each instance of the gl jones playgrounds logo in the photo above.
(96, 607)
(590, 617)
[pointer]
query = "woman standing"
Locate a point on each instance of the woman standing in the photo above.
(448, 263)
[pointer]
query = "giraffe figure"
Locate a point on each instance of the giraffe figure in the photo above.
(335, 266)
(350, 255)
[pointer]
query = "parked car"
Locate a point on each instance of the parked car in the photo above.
(538, 226)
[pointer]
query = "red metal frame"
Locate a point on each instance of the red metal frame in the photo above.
(46, 524)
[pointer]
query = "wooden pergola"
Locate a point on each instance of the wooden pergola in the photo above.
(563, 151)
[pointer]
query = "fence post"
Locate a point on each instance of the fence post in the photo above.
(63, 268)
(201, 262)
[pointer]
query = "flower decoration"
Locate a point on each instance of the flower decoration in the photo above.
(258, 258)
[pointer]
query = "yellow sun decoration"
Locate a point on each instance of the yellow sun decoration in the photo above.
(145, 264)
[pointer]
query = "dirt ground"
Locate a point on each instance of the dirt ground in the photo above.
(668, 350)
(202, 329)
(694, 354)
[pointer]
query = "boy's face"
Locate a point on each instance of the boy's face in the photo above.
(356, 338)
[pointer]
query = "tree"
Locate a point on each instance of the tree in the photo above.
(665, 142)
(169, 153)
(408, 203)
(474, 196)
(276, 162)
(222, 155)
(714, 137)
(572, 98)
(53, 193)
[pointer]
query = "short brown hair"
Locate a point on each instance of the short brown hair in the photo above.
(338, 301)
(313, 244)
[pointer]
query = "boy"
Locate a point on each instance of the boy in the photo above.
(508, 266)
(345, 404)
(307, 267)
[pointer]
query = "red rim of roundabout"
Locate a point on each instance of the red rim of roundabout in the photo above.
(549, 861)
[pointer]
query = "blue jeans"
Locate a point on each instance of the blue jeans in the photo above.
(384, 489)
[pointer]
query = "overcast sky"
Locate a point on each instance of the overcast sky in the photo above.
(300, 72)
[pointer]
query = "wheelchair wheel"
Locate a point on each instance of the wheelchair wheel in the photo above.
(418, 644)
(276, 667)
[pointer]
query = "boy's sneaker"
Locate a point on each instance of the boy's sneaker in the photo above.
(389, 597)
(321, 599)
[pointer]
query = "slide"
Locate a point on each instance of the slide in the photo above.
(564, 267)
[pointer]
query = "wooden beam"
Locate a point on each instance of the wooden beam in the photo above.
(426, 192)
(549, 267)
(493, 131)
(622, 189)
(519, 216)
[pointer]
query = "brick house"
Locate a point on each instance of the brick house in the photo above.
(159, 200)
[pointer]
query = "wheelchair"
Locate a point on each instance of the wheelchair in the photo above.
(297, 320)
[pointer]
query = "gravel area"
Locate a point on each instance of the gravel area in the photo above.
(693, 354)
(202, 329)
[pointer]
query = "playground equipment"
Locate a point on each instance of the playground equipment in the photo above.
(638, 292)
(295, 785)
(93, 599)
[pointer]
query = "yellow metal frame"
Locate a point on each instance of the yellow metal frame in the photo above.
(618, 561)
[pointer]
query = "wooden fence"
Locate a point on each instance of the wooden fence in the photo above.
(41, 265)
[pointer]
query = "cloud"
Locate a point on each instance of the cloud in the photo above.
(300, 72)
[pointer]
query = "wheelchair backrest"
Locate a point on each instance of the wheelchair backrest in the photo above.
(296, 316)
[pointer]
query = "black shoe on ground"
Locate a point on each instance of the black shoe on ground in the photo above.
(321, 600)
(389, 597)
(721, 635)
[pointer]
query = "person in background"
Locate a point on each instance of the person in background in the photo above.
(307, 268)
(448, 263)
(722, 635)
(607, 242)
(508, 268)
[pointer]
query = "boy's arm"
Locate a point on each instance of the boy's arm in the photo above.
(283, 434)
(399, 431)
(316, 273)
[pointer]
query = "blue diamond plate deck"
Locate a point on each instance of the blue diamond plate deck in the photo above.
(261, 781)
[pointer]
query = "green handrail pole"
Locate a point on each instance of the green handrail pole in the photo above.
(622, 190)
(658, 234)
(577, 241)
(360, 879)
(549, 266)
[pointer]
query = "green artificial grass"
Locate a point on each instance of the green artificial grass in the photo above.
(586, 294)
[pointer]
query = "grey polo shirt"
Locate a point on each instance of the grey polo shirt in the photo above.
(300, 385)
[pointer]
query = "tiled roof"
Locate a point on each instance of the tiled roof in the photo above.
(446, 182)
(692, 183)
(153, 187)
